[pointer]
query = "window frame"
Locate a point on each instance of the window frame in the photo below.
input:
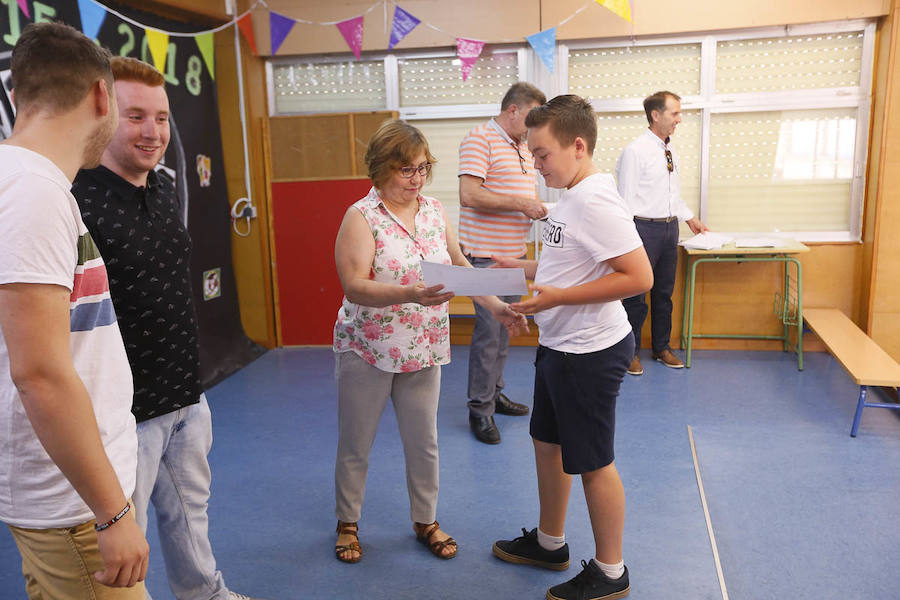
(709, 102)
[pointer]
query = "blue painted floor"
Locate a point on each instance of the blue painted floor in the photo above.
(800, 510)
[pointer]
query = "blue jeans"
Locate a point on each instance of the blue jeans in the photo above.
(487, 354)
(173, 473)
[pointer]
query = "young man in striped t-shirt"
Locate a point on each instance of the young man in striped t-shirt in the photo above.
(68, 447)
(498, 199)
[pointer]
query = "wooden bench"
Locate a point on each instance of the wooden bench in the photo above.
(865, 361)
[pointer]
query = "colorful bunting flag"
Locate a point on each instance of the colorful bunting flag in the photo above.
(158, 43)
(352, 30)
(468, 52)
(279, 27)
(619, 7)
(544, 44)
(92, 17)
(245, 24)
(205, 44)
(23, 4)
(403, 24)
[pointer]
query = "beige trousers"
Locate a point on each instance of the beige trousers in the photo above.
(363, 391)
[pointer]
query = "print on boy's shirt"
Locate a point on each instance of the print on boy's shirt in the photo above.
(90, 304)
(553, 233)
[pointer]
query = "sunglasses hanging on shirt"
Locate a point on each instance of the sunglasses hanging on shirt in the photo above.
(669, 164)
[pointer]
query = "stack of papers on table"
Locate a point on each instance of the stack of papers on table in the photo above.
(706, 241)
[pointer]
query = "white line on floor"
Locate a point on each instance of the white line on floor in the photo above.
(712, 537)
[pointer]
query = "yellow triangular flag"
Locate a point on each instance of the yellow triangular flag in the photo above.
(205, 43)
(620, 7)
(158, 43)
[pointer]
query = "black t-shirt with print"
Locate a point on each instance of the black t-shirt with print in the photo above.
(147, 250)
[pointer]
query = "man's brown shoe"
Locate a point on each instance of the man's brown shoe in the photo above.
(635, 367)
(670, 360)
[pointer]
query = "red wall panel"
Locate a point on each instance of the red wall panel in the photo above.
(306, 218)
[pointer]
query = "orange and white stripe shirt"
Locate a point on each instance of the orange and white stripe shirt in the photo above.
(507, 168)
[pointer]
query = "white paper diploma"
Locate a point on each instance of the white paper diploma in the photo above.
(464, 281)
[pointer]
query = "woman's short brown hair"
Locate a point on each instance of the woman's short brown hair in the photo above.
(396, 144)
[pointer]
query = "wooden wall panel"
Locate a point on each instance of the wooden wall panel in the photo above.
(461, 18)
(654, 17)
(364, 125)
(250, 254)
(885, 289)
(314, 146)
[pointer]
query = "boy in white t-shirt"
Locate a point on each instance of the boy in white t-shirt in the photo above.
(592, 257)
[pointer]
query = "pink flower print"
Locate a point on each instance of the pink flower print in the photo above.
(377, 316)
(415, 319)
(388, 329)
(372, 330)
(368, 357)
(409, 277)
(412, 364)
(349, 330)
(434, 334)
(394, 353)
(379, 244)
(393, 264)
(338, 345)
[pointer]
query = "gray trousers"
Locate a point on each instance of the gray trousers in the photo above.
(363, 391)
(487, 354)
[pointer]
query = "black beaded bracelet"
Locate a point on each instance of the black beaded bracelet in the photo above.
(98, 527)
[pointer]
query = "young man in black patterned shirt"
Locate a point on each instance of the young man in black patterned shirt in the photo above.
(132, 214)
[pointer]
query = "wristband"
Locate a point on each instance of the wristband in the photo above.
(98, 527)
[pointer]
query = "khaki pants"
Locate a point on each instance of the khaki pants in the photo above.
(59, 564)
(363, 392)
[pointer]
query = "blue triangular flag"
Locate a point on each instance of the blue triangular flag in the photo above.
(544, 43)
(92, 16)
(279, 27)
(403, 24)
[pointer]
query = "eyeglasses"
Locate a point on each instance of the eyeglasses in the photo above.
(669, 164)
(422, 170)
(521, 159)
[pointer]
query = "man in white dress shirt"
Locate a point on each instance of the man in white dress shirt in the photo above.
(647, 173)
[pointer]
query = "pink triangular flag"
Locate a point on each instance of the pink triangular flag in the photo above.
(468, 52)
(245, 24)
(23, 4)
(352, 30)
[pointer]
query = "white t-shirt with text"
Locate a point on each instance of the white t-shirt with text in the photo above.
(588, 226)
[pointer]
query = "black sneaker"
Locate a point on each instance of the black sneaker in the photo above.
(591, 584)
(526, 550)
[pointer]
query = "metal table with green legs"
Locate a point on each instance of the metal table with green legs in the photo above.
(788, 302)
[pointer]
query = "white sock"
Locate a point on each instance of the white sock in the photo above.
(550, 542)
(613, 571)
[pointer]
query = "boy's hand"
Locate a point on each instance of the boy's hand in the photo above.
(545, 296)
(515, 322)
(125, 553)
(505, 262)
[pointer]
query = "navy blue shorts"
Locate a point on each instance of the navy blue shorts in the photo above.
(575, 403)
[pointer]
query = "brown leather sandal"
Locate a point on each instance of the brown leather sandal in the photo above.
(348, 529)
(423, 534)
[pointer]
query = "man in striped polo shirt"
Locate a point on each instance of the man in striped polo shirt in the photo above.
(498, 199)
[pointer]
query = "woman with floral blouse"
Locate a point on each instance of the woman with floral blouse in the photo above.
(393, 333)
